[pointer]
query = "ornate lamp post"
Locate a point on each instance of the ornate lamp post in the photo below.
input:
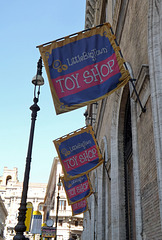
(58, 198)
(20, 227)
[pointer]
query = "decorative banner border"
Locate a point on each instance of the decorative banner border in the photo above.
(78, 152)
(79, 207)
(84, 67)
(77, 189)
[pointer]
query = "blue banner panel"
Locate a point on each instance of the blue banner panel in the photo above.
(77, 189)
(79, 207)
(78, 152)
(84, 68)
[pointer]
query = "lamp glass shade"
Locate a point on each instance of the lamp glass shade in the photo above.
(38, 80)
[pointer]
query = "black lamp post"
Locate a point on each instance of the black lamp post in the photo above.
(58, 198)
(20, 227)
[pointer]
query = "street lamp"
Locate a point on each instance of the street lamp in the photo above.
(37, 81)
(58, 198)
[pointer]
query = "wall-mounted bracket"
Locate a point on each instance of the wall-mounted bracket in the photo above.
(132, 82)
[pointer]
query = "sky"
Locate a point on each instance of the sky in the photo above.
(25, 25)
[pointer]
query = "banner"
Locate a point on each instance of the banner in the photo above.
(29, 212)
(79, 207)
(77, 189)
(83, 68)
(36, 223)
(78, 153)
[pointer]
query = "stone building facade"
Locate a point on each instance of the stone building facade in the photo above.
(3, 215)
(10, 192)
(127, 199)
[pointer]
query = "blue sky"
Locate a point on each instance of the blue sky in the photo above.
(25, 25)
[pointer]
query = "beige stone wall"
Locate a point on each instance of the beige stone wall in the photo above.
(134, 36)
(148, 176)
(130, 25)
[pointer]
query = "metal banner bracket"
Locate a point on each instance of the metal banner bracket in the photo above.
(143, 108)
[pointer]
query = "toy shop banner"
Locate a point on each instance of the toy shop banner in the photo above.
(84, 67)
(77, 189)
(79, 207)
(78, 152)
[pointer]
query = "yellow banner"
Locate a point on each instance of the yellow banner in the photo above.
(28, 216)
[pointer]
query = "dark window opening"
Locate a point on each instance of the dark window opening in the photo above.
(8, 178)
(76, 223)
(60, 222)
(128, 171)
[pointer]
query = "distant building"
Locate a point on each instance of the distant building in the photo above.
(3, 215)
(68, 226)
(11, 190)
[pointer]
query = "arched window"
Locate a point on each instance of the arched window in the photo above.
(8, 178)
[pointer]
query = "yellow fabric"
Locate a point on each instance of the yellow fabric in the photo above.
(28, 216)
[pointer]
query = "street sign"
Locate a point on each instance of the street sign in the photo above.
(48, 232)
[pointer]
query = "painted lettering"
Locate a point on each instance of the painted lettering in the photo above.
(77, 80)
(87, 156)
(87, 75)
(96, 74)
(71, 162)
(72, 192)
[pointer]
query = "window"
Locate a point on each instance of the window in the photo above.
(40, 207)
(74, 237)
(62, 205)
(60, 222)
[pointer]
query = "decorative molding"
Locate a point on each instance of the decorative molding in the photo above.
(90, 13)
(119, 15)
(155, 63)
